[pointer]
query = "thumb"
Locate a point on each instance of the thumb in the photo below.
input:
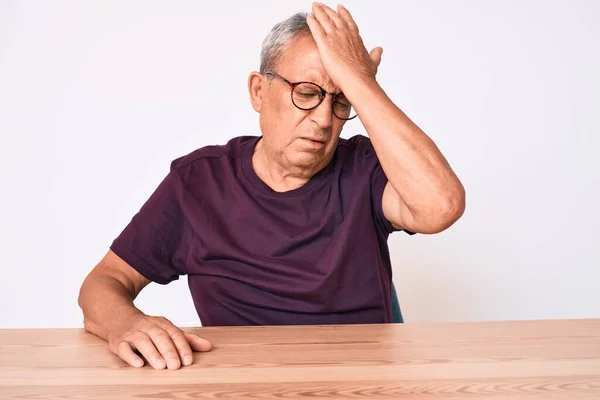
(376, 55)
(197, 343)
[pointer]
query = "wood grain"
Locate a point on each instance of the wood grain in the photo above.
(552, 359)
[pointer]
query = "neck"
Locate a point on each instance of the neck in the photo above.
(276, 173)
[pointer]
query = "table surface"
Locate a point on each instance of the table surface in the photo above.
(550, 359)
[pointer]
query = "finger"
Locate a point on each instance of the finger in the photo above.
(165, 346)
(182, 345)
(322, 17)
(316, 29)
(126, 353)
(143, 343)
(333, 16)
(376, 55)
(347, 17)
(197, 343)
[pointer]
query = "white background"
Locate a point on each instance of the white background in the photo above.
(96, 99)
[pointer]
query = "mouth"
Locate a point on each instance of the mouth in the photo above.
(313, 143)
(315, 140)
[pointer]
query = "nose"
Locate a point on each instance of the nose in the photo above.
(323, 114)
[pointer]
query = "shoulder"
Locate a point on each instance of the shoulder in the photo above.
(213, 154)
(357, 149)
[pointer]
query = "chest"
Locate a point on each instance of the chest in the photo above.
(304, 227)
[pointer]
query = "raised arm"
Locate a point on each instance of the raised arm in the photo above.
(423, 194)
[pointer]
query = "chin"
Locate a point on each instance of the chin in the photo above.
(309, 160)
(306, 160)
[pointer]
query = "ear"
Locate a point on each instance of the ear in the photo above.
(256, 83)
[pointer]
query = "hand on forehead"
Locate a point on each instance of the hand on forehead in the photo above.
(302, 62)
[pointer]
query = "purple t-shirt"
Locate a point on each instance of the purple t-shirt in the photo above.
(314, 255)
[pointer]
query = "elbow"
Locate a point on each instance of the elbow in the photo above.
(452, 208)
(455, 206)
(80, 303)
(83, 302)
(444, 212)
(82, 292)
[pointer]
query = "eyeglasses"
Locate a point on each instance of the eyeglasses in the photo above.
(307, 96)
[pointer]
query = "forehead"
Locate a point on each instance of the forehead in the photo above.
(301, 61)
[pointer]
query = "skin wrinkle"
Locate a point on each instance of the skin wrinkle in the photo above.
(280, 158)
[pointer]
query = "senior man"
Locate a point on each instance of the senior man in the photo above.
(287, 228)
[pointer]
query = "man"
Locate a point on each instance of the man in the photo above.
(287, 228)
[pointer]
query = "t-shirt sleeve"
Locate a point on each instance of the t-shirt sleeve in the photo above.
(378, 183)
(152, 242)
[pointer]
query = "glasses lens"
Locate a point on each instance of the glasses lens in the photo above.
(306, 96)
(343, 109)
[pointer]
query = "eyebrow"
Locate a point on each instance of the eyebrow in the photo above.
(337, 94)
(340, 93)
(329, 82)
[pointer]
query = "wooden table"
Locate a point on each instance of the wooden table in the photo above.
(497, 360)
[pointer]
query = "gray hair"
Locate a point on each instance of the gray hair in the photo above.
(281, 35)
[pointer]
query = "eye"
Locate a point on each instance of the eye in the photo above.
(307, 95)
(307, 91)
(342, 105)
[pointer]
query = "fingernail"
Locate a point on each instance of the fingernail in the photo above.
(138, 363)
(188, 360)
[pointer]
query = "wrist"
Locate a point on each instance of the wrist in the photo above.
(120, 322)
(363, 92)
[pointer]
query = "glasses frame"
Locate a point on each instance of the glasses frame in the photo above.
(324, 93)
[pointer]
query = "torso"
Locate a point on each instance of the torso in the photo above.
(313, 255)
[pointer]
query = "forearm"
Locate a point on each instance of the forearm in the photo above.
(106, 303)
(413, 164)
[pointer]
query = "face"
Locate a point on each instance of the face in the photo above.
(297, 139)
